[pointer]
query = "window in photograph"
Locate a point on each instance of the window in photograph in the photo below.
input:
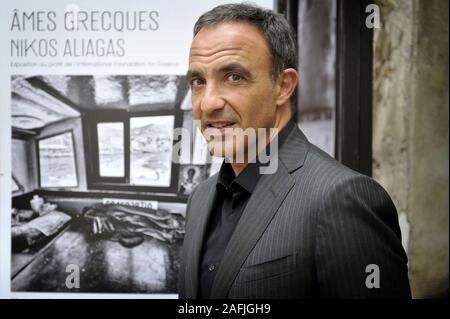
(111, 149)
(15, 186)
(151, 150)
(57, 161)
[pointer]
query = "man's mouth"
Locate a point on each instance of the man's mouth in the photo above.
(219, 126)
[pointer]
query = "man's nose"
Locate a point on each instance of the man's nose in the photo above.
(212, 99)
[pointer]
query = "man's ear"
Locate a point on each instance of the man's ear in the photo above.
(287, 82)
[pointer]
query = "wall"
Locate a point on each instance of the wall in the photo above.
(410, 132)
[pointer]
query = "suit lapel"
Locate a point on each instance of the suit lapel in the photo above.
(202, 213)
(261, 208)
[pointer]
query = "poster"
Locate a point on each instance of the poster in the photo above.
(92, 204)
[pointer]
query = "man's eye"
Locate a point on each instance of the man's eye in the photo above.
(234, 77)
(197, 82)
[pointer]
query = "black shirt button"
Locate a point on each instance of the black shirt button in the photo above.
(211, 267)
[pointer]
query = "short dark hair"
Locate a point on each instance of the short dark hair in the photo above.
(274, 27)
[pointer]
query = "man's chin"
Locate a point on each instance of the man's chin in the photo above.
(231, 153)
(219, 151)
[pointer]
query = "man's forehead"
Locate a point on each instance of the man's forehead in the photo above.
(227, 36)
(219, 44)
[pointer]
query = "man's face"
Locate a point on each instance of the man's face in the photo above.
(230, 78)
(191, 173)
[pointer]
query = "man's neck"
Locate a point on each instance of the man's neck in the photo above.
(239, 167)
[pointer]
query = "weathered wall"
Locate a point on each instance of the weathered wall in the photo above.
(410, 132)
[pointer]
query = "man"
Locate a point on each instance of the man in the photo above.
(312, 228)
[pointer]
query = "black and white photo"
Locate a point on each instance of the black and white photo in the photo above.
(95, 187)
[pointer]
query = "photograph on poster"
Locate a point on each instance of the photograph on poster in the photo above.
(94, 187)
(191, 176)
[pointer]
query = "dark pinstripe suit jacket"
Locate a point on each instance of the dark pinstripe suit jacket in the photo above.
(308, 230)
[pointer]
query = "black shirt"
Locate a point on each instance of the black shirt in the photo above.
(233, 194)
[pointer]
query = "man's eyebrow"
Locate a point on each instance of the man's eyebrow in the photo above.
(235, 67)
(191, 73)
(228, 68)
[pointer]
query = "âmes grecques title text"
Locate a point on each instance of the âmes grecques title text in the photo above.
(74, 24)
